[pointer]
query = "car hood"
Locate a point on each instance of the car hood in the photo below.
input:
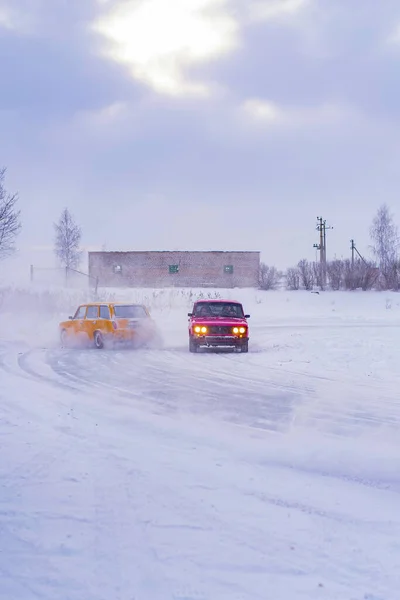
(65, 323)
(219, 321)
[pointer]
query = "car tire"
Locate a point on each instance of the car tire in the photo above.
(193, 347)
(64, 338)
(98, 340)
(245, 347)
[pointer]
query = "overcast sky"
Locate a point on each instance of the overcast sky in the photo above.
(201, 124)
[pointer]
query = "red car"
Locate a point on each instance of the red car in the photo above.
(218, 323)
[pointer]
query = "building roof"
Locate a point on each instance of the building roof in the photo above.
(174, 252)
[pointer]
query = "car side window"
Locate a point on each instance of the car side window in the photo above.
(92, 312)
(80, 313)
(104, 312)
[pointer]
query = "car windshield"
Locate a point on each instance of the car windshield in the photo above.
(129, 311)
(218, 309)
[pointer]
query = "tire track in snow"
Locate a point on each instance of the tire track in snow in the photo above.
(154, 379)
(17, 362)
(24, 364)
(220, 386)
(325, 406)
(224, 386)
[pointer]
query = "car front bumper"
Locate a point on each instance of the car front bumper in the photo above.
(231, 341)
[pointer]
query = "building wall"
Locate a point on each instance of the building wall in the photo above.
(195, 269)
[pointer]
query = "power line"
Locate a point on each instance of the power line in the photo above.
(354, 249)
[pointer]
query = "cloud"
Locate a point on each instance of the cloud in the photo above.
(394, 37)
(261, 110)
(263, 10)
(6, 19)
(127, 132)
(52, 71)
(264, 112)
(162, 51)
(160, 40)
(43, 19)
(12, 19)
(105, 116)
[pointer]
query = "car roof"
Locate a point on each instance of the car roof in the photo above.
(92, 303)
(124, 303)
(217, 300)
(105, 303)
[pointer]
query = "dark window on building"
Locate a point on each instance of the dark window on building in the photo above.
(104, 312)
(228, 269)
(174, 268)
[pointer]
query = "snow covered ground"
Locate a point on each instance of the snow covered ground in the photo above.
(162, 475)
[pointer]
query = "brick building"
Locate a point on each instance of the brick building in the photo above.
(175, 269)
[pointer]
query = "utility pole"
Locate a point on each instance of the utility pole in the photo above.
(352, 247)
(322, 227)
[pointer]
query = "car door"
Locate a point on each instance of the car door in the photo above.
(77, 323)
(91, 321)
(105, 324)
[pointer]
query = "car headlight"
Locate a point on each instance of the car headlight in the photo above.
(237, 330)
(199, 329)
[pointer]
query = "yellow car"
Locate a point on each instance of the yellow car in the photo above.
(101, 323)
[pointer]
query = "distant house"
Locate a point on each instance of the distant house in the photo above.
(175, 269)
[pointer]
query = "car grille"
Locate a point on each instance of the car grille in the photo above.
(220, 330)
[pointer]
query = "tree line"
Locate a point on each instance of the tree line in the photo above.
(341, 274)
(382, 271)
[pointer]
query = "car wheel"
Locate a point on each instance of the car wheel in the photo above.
(193, 347)
(98, 340)
(245, 347)
(64, 338)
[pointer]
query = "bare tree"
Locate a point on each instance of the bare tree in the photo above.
(318, 275)
(67, 240)
(384, 235)
(293, 278)
(335, 270)
(268, 277)
(306, 272)
(10, 223)
(351, 276)
(360, 275)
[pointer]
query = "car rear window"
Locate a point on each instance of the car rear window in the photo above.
(129, 311)
(218, 309)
